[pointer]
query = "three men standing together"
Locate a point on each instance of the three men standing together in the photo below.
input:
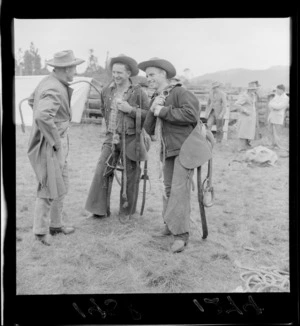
(125, 107)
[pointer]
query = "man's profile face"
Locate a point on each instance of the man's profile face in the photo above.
(70, 73)
(120, 74)
(155, 77)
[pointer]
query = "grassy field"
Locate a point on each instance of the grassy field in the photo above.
(248, 227)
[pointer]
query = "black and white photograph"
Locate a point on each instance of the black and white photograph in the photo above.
(152, 155)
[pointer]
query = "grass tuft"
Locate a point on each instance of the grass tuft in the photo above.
(106, 256)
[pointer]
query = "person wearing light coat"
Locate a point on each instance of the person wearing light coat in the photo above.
(49, 144)
(246, 125)
(216, 109)
(277, 107)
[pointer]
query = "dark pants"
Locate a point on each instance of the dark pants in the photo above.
(212, 119)
(96, 202)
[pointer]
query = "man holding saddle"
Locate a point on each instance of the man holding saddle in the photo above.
(124, 107)
(184, 145)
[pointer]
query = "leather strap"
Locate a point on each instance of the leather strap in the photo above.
(138, 125)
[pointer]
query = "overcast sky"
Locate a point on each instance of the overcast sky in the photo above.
(202, 45)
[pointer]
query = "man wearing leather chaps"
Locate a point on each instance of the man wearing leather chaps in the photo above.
(174, 115)
(124, 107)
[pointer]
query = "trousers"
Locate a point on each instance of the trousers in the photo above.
(53, 207)
(212, 119)
(97, 200)
(176, 200)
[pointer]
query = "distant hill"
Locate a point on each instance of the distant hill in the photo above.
(268, 78)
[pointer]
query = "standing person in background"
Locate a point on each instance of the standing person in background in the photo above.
(216, 109)
(120, 102)
(182, 145)
(49, 144)
(246, 125)
(176, 81)
(277, 106)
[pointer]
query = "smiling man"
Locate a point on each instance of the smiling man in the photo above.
(123, 105)
(179, 113)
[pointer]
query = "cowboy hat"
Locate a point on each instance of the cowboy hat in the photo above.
(159, 63)
(127, 61)
(64, 59)
(215, 84)
(253, 85)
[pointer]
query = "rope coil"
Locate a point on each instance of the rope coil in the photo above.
(266, 279)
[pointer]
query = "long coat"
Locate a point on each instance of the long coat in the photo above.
(217, 101)
(50, 102)
(246, 125)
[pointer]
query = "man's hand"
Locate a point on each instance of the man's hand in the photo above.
(124, 106)
(159, 100)
(157, 109)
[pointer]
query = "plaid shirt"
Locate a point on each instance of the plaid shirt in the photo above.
(135, 96)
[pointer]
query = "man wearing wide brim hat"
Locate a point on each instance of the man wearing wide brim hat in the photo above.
(124, 107)
(64, 59)
(216, 109)
(48, 144)
(247, 121)
(179, 114)
(253, 85)
(166, 65)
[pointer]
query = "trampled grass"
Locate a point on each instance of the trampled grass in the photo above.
(106, 256)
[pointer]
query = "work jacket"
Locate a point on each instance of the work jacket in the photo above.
(217, 101)
(50, 102)
(135, 96)
(179, 117)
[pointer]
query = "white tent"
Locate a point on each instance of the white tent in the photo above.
(25, 85)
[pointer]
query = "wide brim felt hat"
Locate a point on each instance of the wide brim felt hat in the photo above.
(215, 84)
(128, 61)
(64, 59)
(176, 78)
(159, 63)
(253, 85)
